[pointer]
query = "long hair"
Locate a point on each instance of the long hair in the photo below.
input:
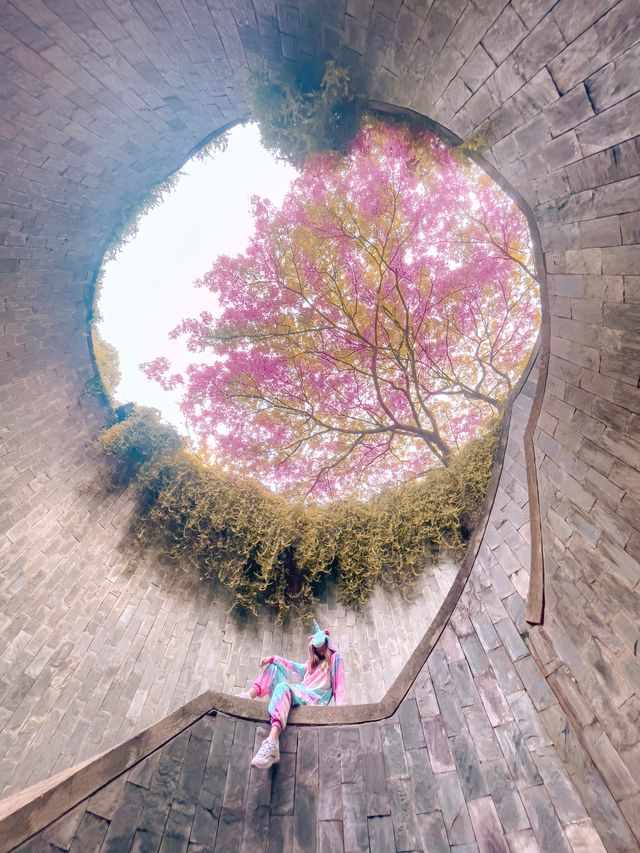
(314, 661)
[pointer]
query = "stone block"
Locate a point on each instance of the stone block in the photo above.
(615, 81)
(393, 748)
(485, 631)
(62, 832)
(606, 38)
(450, 645)
(477, 68)
(586, 310)
(422, 781)
(600, 232)
(475, 654)
(504, 670)
(487, 826)
(283, 787)
(505, 796)
(280, 836)
(377, 797)
(619, 197)
(575, 16)
(630, 227)
(585, 356)
(355, 822)
(410, 725)
(611, 127)
(623, 563)
(351, 754)
(305, 819)
(617, 776)
(493, 699)
(511, 639)
(90, 834)
(523, 842)
(503, 36)
(529, 723)
(584, 838)
(463, 683)
(454, 809)
(426, 697)
(569, 111)
(521, 766)
(612, 165)
(579, 524)
(562, 793)
(531, 11)
(630, 807)
(539, 47)
(405, 824)
(381, 837)
(544, 821)
(468, 766)
(437, 745)
(432, 832)
(331, 837)
(331, 772)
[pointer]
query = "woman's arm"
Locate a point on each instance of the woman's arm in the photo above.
(337, 678)
(297, 669)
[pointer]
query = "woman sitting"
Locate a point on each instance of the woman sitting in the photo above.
(289, 683)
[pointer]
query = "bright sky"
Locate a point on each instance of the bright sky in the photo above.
(149, 288)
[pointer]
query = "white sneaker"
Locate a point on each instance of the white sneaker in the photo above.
(268, 754)
(244, 695)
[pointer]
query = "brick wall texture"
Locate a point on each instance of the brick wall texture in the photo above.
(103, 98)
(479, 756)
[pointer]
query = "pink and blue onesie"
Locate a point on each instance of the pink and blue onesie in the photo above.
(289, 683)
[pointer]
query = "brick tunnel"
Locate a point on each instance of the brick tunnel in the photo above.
(515, 723)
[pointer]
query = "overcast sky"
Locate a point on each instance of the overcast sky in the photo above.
(149, 288)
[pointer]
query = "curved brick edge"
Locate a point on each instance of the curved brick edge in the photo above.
(24, 814)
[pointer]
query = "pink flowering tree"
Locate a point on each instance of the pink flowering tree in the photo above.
(375, 322)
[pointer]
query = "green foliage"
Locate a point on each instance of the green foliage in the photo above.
(269, 551)
(127, 227)
(107, 362)
(304, 112)
(213, 147)
(477, 141)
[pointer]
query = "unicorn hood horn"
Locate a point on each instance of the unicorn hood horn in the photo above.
(320, 637)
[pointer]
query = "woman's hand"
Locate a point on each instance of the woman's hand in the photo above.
(266, 661)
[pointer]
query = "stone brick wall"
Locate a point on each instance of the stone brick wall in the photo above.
(105, 97)
(551, 88)
(478, 755)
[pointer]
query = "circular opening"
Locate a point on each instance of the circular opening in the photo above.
(391, 290)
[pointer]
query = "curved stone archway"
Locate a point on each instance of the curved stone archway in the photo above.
(105, 97)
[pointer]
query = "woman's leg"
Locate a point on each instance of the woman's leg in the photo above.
(269, 751)
(279, 708)
(268, 680)
(283, 698)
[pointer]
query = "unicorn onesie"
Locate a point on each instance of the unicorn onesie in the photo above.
(289, 683)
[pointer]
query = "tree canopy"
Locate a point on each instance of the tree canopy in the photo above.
(376, 320)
